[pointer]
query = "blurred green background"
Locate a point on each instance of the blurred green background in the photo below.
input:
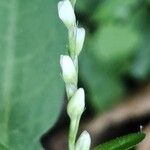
(115, 60)
(117, 49)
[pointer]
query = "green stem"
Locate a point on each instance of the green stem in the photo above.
(73, 2)
(74, 125)
(75, 61)
(71, 89)
(72, 41)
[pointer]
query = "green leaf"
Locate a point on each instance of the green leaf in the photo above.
(114, 11)
(122, 143)
(31, 89)
(2, 147)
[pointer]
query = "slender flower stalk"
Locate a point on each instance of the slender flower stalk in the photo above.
(69, 66)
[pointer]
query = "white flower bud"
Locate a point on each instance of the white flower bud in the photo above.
(66, 13)
(76, 104)
(80, 36)
(68, 69)
(84, 141)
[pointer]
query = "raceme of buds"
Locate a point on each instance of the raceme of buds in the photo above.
(68, 69)
(76, 104)
(66, 13)
(80, 36)
(84, 141)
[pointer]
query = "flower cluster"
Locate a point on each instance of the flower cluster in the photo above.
(69, 66)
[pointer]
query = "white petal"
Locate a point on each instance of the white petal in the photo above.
(66, 13)
(68, 69)
(76, 104)
(84, 141)
(80, 36)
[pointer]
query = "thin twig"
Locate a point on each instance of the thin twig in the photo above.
(145, 145)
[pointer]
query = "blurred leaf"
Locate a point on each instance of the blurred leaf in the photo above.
(2, 147)
(82, 6)
(116, 10)
(122, 143)
(141, 66)
(85, 6)
(31, 89)
(104, 87)
(114, 43)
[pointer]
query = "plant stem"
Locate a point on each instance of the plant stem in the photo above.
(71, 89)
(72, 41)
(73, 2)
(74, 125)
(75, 60)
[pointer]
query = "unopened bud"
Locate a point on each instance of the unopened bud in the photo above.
(84, 141)
(80, 36)
(76, 104)
(66, 13)
(68, 69)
